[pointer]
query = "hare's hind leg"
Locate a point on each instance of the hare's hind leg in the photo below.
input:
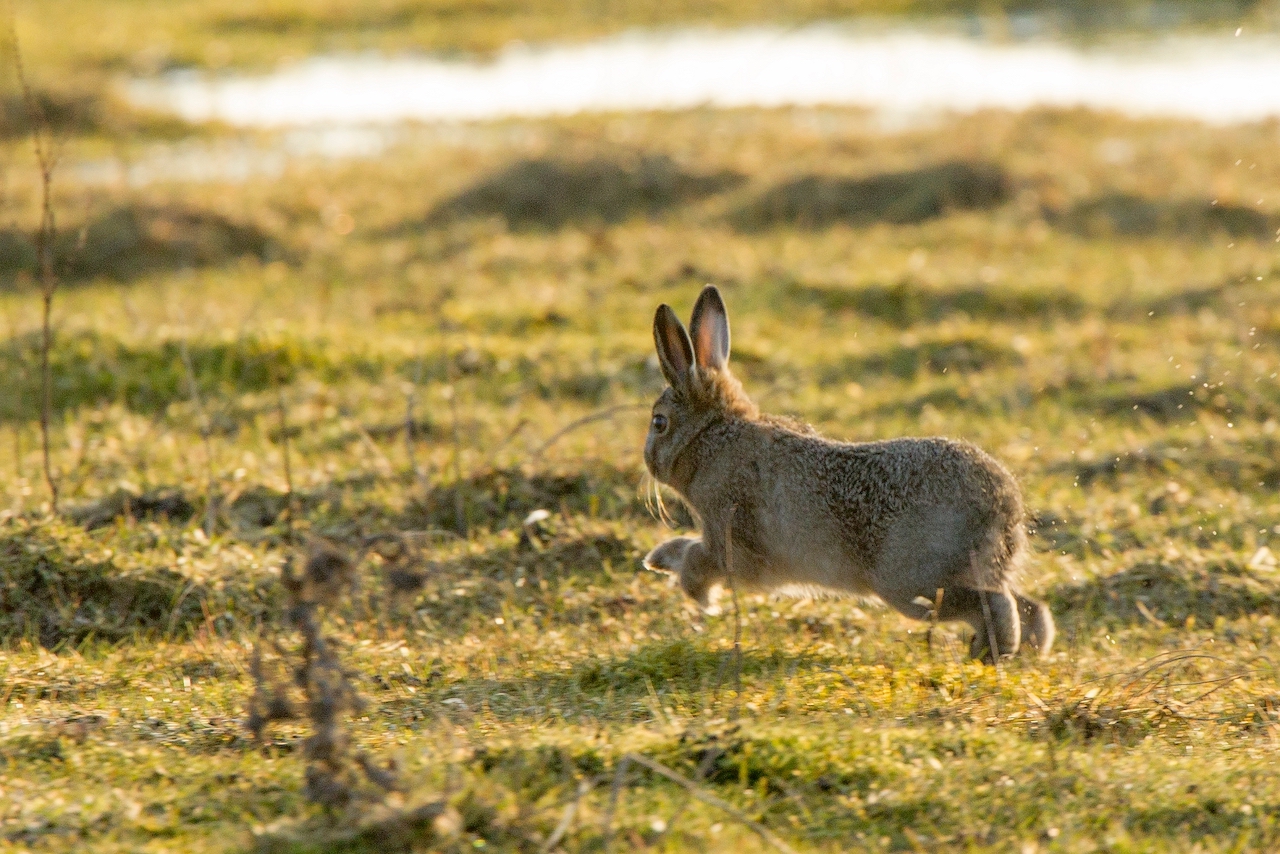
(965, 603)
(999, 618)
(1037, 623)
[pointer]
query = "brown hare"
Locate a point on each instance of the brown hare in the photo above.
(901, 518)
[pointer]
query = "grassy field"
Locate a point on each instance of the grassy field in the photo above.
(1094, 300)
(122, 35)
(77, 48)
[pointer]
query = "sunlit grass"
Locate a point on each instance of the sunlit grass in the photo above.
(91, 36)
(1092, 326)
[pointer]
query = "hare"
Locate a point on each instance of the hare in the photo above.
(902, 518)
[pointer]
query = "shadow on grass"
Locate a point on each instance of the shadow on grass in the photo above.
(90, 369)
(548, 194)
(908, 302)
(130, 241)
(63, 112)
(1249, 465)
(1124, 215)
(553, 577)
(1115, 399)
(1170, 593)
(1173, 402)
(1205, 819)
(963, 355)
(1223, 298)
(917, 195)
(384, 831)
(70, 112)
(284, 22)
(51, 597)
(616, 687)
(247, 510)
(170, 505)
(501, 499)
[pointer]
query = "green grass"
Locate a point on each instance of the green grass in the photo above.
(1099, 309)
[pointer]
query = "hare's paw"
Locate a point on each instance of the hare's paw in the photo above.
(686, 559)
(670, 556)
(701, 589)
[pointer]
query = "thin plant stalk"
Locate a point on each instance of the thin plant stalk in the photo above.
(459, 500)
(601, 415)
(411, 424)
(737, 613)
(711, 800)
(46, 234)
(991, 630)
(615, 791)
(282, 414)
(206, 432)
(735, 654)
(20, 363)
(17, 451)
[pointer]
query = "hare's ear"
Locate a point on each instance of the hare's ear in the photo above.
(675, 353)
(710, 329)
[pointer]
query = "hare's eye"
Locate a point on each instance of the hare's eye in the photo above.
(659, 423)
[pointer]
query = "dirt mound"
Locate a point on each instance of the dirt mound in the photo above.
(130, 241)
(51, 596)
(553, 193)
(819, 201)
(1127, 215)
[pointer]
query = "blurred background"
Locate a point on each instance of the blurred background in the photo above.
(346, 268)
(916, 184)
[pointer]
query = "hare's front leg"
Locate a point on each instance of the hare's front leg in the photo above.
(688, 559)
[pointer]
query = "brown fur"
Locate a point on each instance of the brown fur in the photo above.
(901, 518)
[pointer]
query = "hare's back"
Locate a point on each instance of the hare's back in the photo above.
(870, 486)
(929, 471)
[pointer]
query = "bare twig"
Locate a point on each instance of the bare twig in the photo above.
(619, 776)
(584, 786)
(711, 800)
(20, 363)
(515, 431)
(735, 652)
(1163, 660)
(1146, 613)
(991, 630)
(46, 234)
(932, 608)
(986, 616)
(336, 772)
(704, 768)
(17, 451)
(602, 415)
(365, 439)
